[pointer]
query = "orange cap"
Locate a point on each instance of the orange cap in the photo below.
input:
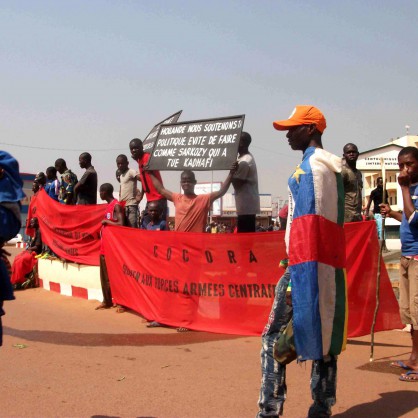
(302, 115)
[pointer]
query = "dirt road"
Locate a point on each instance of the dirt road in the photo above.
(61, 358)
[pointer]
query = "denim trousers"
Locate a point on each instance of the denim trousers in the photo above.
(273, 375)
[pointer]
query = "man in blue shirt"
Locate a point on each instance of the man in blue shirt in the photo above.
(408, 282)
(52, 186)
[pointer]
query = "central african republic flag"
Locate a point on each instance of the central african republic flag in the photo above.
(316, 248)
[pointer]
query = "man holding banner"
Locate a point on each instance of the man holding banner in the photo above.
(137, 151)
(192, 209)
(113, 216)
(315, 246)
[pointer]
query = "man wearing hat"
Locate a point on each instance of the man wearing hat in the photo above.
(315, 247)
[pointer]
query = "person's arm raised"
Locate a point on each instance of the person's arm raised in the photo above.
(160, 188)
(225, 185)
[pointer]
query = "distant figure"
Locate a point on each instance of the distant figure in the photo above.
(283, 217)
(353, 184)
(52, 186)
(113, 216)
(86, 188)
(127, 190)
(11, 193)
(408, 281)
(260, 228)
(35, 187)
(213, 228)
(41, 179)
(245, 182)
(191, 209)
(137, 152)
(67, 184)
(376, 196)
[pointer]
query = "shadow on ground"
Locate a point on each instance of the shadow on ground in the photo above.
(111, 416)
(356, 342)
(109, 340)
(383, 367)
(390, 405)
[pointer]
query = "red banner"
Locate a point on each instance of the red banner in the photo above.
(71, 231)
(225, 283)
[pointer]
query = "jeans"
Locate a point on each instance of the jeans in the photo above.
(273, 381)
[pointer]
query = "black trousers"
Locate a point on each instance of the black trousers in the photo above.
(246, 223)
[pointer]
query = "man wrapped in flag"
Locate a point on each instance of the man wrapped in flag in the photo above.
(315, 245)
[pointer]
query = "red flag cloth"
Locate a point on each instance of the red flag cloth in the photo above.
(362, 257)
(71, 231)
(23, 264)
(225, 283)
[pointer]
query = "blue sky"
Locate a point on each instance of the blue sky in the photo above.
(89, 76)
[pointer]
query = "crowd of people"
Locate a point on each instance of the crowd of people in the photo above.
(314, 285)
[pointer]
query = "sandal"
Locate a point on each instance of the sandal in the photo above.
(154, 324)
(411, 376)
(182, 329)
(399, 365)
(101, 306)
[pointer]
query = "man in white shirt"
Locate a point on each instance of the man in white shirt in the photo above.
(245, 182)
(127, 191)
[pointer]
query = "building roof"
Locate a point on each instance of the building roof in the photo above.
(381, 147)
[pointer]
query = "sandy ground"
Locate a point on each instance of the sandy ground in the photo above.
(61, 358)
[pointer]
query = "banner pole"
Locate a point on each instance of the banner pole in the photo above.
(382, 245)
(211, 206)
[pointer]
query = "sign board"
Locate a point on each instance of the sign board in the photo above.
(149, 140)
(209, 144)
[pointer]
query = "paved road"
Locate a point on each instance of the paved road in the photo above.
(61, 358)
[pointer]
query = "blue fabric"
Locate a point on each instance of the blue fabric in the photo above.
(50, 189)
(303, 190)
(11, 185)
(409, 229)
(161, 226)
(305, 301)
(9, 224)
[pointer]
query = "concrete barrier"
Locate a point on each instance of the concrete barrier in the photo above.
(70, 279)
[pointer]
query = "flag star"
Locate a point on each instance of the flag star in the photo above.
(297, 173)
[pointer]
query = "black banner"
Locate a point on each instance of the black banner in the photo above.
(149, 140)
(209, 144)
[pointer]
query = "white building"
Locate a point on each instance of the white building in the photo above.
(370, 164)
